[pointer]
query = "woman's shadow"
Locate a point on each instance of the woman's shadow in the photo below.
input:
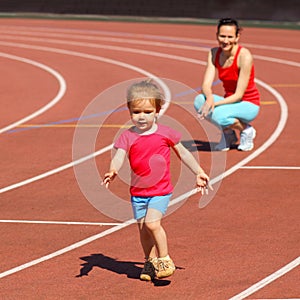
(197, 145)
(131, 269)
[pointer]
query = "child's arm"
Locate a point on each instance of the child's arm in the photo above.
(187, 157)
(115, 166)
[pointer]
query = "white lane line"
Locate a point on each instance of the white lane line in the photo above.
(271, 139)
(93, 57)
(57, 98)
(66, 249)
(59, 222)
(257, 152)
(259, 285)
(270, 168)
(145, 52)
(55, 171)
(10, 35)
(277, 60)
(114, 48)
(84, 32)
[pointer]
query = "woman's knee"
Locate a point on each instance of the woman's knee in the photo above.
(221, 118)
(223, 121)
(199, 101)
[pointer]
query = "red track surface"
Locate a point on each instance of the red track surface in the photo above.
(249, 231)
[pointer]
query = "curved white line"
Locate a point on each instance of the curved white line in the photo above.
(57, 98)
(277, 60)
(99, 58)
(95, 57)
(47, 30)
(114, 48)
(141, 51)
(261, 149)
(275, 134)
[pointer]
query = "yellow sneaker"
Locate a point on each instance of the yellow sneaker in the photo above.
(148, 272)
(165, 267)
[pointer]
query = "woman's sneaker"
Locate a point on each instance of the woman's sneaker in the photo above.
(148, 272)
(228, 139)
(165, 267)
(246, 140)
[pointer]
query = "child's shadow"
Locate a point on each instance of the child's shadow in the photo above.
(120, 267)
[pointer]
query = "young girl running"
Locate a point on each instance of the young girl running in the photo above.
(147, 145)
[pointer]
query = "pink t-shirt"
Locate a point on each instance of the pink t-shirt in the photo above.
(149, 158)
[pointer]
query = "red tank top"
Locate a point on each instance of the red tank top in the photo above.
(229, 77)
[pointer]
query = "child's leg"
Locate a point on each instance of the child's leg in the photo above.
(157, 207)
(152, 236)
(147, 240)
(149, 246)
(155, 230)
(164, 265)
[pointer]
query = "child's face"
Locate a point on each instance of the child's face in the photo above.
(143, 114)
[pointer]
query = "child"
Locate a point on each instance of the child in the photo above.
(147, 145)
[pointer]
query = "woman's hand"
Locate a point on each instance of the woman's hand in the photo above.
(206, 108)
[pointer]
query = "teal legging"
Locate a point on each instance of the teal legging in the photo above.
(225, 115)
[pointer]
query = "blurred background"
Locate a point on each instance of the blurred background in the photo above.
(266, 10)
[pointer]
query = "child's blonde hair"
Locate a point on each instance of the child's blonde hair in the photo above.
(143, 90)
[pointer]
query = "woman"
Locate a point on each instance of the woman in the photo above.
(240, 104)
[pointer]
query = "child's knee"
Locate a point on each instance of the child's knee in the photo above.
(153, 226)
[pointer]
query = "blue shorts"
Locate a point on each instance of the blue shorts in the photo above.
(140, 205)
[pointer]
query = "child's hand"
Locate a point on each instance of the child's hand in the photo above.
(109, 177)
(203, 183)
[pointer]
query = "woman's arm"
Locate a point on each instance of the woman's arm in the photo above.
(115, 166)
(209, 76)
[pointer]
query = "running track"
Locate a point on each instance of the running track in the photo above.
(55, 245)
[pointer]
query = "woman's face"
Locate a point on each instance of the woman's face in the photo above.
(227, 37)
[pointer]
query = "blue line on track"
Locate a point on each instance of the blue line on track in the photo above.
(198, 89)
